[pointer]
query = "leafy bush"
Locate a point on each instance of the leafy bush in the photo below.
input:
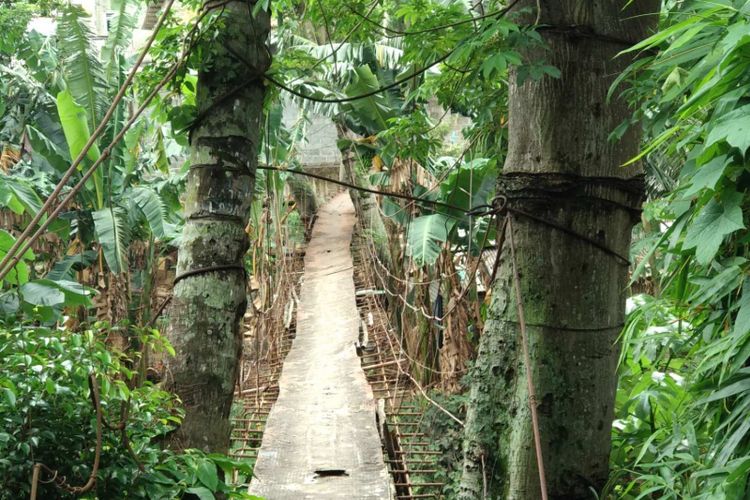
(446, 437)
(683, 428)
(48, 417)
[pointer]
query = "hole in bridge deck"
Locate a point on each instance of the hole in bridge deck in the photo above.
(331, 472)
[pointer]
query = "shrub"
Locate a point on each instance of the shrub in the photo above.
(47, 416)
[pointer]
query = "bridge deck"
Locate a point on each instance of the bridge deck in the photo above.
(324, 418)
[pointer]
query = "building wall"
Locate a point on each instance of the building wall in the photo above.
(320, 149)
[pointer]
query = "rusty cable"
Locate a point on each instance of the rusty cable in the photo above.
(527, 362)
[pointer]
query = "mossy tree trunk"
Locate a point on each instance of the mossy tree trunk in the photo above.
(210, 300)
(560, 167)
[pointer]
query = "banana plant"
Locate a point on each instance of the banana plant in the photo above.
(470, 185)
(116, 199)
(126, 199)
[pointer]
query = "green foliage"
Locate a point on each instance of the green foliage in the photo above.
(112, 235)
(120, 34)
(128, 194)
(13, 21)
(47, 416)
(467, 187)
(75, 126)
(683, 403)
(447, 438)
(426, 236)
(20, 273)
(82, 71)
(371, 114)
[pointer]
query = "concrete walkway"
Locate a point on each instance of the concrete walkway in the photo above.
(324, 419)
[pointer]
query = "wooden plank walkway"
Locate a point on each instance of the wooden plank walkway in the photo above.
(324, 419)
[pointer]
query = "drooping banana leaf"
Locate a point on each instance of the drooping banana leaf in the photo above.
(426, 237)
(46, 292)
(42, 294)
(112, 234)
(42, 145)
(17, 195)
(64, 269)
(82, 71)
(369, 115)
(150, 205)
(120, 35)
(470, 185)
(114, 171)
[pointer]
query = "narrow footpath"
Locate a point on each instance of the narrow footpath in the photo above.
(321, 440)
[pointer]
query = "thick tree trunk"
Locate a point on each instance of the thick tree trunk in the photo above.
(560, 167)
(210, 291)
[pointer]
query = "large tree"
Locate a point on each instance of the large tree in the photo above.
(561, 167)
(210, 291)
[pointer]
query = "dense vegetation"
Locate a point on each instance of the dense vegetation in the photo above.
(80, 307)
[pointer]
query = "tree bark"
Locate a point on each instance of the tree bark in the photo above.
(562, 168)
(210, 291)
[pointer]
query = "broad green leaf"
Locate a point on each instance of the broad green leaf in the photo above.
(734, 127)
(18, 275)
(426, 237)
(10, 396)
(207, 474)
(708, 175)
(42, 294)
(201, 492)
(20, 272)
(9, 200)
(118, 39)
(715, 221)
(7, 240)
(152, 208)
(112, 235)
(395, 211)
(380, 178)
(82, 71)
(49, 150)
(24, 198)
(63, 269)
(470, 185)
(76, 130)
(372, 112)
(75, 293)
(495, 63)
(75, 126)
